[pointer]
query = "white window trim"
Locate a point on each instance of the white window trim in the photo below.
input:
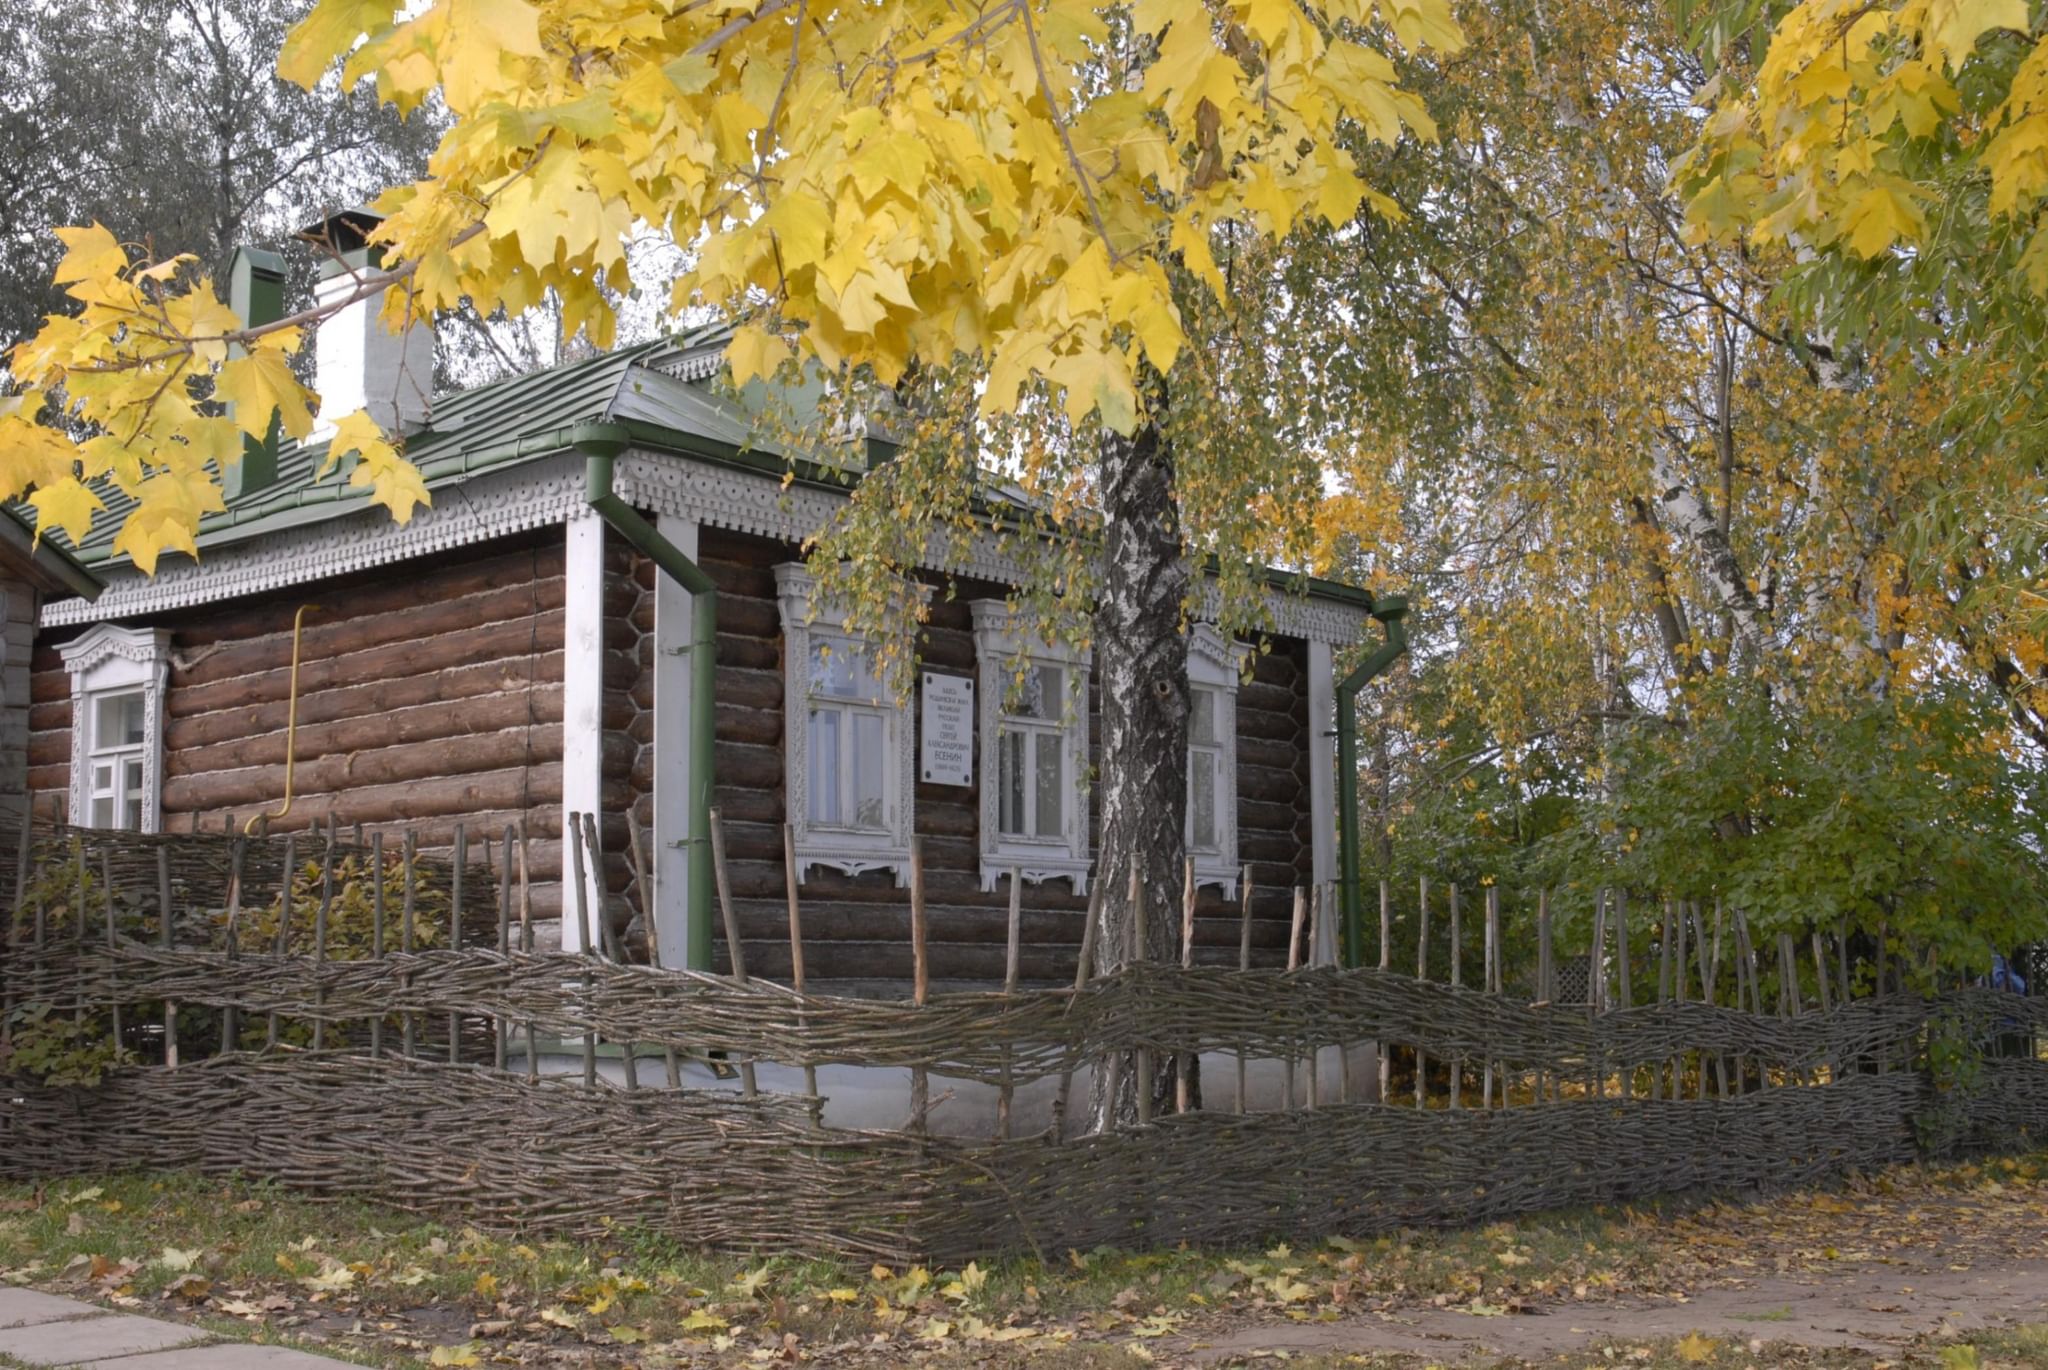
(854, 853)
(1216, 663)
(998, 648)
(108, 659)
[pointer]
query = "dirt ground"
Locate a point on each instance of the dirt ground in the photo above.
(1877, 1276)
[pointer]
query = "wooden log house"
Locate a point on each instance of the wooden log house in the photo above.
(506, 658)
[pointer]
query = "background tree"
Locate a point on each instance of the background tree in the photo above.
(165, 121)
(1681, 621)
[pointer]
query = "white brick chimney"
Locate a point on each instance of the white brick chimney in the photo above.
(357, 362)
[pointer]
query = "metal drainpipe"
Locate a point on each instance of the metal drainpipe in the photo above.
(600, 453)
(1389, 611)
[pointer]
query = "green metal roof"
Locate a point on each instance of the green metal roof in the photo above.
(653, 392)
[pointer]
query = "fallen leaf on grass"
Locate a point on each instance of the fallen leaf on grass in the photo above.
(1696, 1349)
(454, 1355)
(171, 1258)
(190, 1286)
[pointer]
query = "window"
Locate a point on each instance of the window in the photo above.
(117, 688)
(114, 758)
(1213, 669)
(847, 742)
(1034, 748)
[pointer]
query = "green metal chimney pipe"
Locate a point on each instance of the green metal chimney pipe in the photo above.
(600, 452)
(1389, 610)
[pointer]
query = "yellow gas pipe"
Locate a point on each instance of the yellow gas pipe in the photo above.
(291, 725)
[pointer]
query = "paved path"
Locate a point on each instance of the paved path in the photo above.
(43, 1329)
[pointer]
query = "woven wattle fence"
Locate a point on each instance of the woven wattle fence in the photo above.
(1766, 1100)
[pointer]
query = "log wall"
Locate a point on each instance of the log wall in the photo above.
(432, 694)
(428, 694)
(857, 928)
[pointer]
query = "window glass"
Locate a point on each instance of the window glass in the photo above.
(1042, 693)
(1202, 715)
(1011, 751)
(1202, 801)
(844, 670)
(824, 749)
(867, 771)
(119, 721)
(1050, 789)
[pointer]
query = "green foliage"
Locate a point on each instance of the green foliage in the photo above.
(351, 920)
(58, 1048)
(1912, 812)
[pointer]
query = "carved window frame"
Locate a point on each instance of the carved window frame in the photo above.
(1216, 665)
(805, 624)
(110, 660)
(1000, 651)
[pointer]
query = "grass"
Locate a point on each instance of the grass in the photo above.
(246, 1258)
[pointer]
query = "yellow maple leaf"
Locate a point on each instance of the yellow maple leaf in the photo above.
(1695, 1349)
(90, 254)
(259, 385)
(1880, 217)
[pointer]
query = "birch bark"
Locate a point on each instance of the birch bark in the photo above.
(1142, 657)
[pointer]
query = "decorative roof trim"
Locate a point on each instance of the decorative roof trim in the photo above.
(548, 490)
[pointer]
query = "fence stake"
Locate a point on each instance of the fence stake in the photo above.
(166, 936)
(1422, 974)
(1456, 1061)
(1294, 963)
(1311, 1047)
(284, 922)
(920, 984)
(1820, 971)
(1244, 962)
(320, 912)
(643, 877)
(1133, 955)
(736, 952)
(1386, 1049)
(1546, 987)
(1596, 992)
(1187, 960)
(377, 932)
(1010, 951)
(1491, 970)
(408, 900)
(230, 1028)
(1083, 968)
(1331, 910)
(458, 880)
(526, 944)
(500, 1030)
(107, 881)
(796, 967)
(1624, 980)
(643, 882)
(608, 944)
(1622, 951)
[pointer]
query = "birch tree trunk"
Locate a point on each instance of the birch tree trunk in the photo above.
(1142, 666)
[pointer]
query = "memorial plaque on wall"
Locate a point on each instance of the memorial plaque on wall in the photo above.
(947, 754)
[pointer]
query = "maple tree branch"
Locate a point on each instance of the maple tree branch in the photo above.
(718, 38)
(1059, 123)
